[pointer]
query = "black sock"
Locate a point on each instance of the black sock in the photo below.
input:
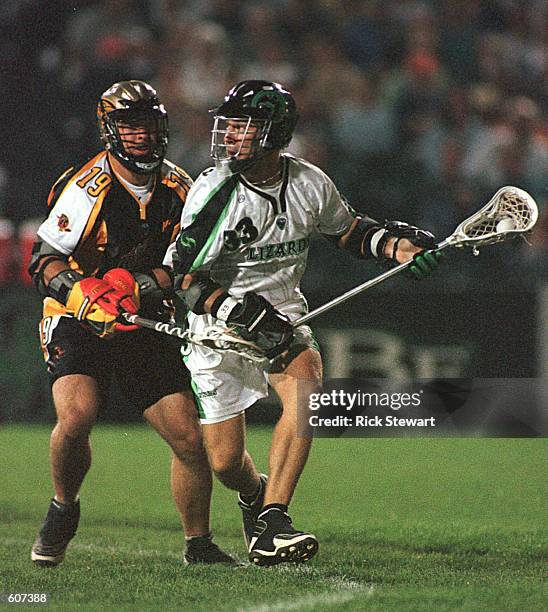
(282, 507)
(61, 507)
(199, 538)
(251, 499)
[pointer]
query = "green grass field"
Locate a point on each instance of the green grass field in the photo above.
(403, 524)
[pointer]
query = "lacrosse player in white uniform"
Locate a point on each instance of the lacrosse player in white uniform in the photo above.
(238, 261)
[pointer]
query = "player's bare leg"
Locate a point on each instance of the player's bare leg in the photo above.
(289, 450)
(275, 540)
(174, 417)
(233, 466)
(228, 457)
(76, 398)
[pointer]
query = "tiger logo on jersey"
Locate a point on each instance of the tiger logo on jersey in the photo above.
(63, 223)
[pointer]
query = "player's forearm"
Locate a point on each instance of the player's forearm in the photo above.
(200, 293)
(51, 272)
(52, 268)
(155, 283)
(365, 239)
(392, 240)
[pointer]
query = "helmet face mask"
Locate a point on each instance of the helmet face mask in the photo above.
(133, 125)
(237, 140)
(255, 117)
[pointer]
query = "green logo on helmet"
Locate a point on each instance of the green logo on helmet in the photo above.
(271, 100)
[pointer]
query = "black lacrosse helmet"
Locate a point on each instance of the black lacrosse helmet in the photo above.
(264, 103)
(133, 103)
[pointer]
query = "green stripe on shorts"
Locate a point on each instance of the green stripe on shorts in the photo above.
(196, 391)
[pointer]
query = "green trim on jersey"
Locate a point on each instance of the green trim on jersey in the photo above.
(195, 240)
(203, 253)
(210, 196)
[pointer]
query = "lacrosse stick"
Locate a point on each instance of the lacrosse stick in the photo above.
(213, 336)
(509, 213)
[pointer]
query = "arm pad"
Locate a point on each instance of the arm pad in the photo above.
(59, 286)
(366, 238)
(363, 238)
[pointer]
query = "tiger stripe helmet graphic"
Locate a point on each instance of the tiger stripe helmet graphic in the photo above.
(134, 103)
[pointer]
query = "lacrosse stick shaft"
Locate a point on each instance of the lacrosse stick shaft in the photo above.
(159, 326)
(513, 205)
(212, 338)
(360, 289)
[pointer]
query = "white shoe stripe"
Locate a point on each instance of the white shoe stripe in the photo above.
(280, 543)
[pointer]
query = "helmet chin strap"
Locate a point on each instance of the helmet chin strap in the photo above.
(138, 167)
(243, 165)
(128, 171)
(134, 164)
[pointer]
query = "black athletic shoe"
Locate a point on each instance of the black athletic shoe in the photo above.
(250, 511)
(275, 541)
(201, 549)
(57, 531)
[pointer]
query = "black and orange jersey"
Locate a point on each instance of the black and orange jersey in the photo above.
(98, 222)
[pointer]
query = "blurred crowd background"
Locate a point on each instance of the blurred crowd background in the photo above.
(418, 109)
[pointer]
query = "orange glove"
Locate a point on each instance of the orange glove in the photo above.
(84, 295)
(124, 296)
(85, 302)
(99, 302)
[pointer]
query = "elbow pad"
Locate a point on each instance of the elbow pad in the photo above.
(364, 240)
(60, 285)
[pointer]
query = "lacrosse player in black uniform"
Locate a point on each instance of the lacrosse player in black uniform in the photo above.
(99, 252)
(238, 261)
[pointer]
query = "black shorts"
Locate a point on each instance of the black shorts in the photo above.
(145, 365)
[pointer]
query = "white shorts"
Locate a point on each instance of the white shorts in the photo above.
(226, 384)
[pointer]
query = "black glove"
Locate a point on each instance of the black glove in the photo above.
(262, 324)
(419, 237)
(425, 262)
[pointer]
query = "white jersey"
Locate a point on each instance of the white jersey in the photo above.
(250, 238)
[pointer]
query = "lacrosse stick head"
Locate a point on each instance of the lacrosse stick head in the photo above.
(509, 213)
(226, 339)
